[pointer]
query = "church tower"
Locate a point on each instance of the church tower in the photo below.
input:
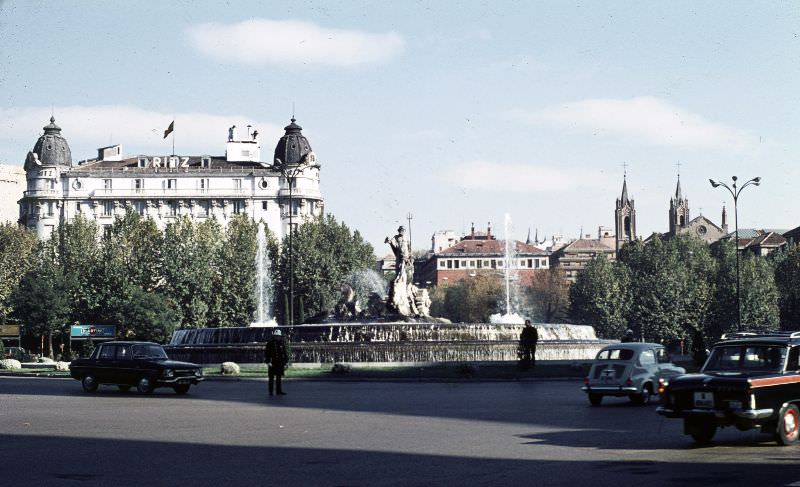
(678, 210)
(625, 217)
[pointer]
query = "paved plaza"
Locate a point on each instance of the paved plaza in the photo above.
(343, 433)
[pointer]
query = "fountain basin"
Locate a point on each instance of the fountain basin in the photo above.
(395, 343)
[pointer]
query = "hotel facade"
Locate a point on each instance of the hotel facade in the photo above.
(282, 191)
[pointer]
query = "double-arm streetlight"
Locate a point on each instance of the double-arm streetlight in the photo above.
(734, 191)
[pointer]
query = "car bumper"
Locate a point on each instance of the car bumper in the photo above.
(181, 380)
(610, 390)
(748, 414)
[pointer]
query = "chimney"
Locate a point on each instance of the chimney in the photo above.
(489, 231)
(472, 232)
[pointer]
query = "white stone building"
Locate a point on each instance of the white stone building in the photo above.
(12, 186)
(165, 187)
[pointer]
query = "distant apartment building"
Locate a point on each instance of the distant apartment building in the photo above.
(12, 188)
(480, 254)
(761, 242)
(571, 259)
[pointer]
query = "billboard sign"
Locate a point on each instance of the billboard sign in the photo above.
(9, 331)
(84, 332)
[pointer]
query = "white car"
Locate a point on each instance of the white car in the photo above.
(628, 369)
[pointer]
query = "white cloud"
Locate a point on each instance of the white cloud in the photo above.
(139, 131)
(265, 41)
(516, 178)
(645, 119)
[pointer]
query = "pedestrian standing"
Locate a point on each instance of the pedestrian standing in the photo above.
(276, 358)
(527, 346)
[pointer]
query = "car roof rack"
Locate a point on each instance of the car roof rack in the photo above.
(760, 334)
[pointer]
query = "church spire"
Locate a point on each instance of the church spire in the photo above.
(678, 195)
(624, 198)
(624, 216)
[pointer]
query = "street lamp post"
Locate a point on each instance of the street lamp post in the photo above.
(735, 192)
(290, 174)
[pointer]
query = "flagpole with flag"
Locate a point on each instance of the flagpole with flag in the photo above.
(171, 130)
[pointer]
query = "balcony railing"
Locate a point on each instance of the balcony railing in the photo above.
(36, 193)
(172, 193)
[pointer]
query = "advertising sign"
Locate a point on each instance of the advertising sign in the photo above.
(9, 331)
(84, 332)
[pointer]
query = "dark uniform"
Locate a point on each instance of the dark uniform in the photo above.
(527, 346)
(276, 358)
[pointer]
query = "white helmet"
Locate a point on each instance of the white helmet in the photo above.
(277, 333)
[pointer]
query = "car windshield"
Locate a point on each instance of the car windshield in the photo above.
(149, 351)
(615, 354)
(746, 358)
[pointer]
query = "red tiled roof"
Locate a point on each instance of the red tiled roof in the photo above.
(583, 244)
(496, 247)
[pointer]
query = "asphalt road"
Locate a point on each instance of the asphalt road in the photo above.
(363, 434)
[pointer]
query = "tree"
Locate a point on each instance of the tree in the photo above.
(600, 298)
(547, 296)
(234, 301)
(41, 301)
(325, 252)
(760, 295)
(787, 277)
(190, 270)
(16, 257)
(471, 300)
(671, 282)
(79, 257)
(723, 316)
(145, 315)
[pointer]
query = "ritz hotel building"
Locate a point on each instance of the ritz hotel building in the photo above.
(280, 192)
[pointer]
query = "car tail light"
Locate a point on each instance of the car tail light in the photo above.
(586, 381)
(629, 382)
(662, 385)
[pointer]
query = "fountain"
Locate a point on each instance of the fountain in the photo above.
(509, 317)
(263, 317)
(394, 328)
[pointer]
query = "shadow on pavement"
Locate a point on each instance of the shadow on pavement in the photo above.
(90, 461)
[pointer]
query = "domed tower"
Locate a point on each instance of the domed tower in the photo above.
(300, 195)
(678, 210)
(40, 208)
(293, 148)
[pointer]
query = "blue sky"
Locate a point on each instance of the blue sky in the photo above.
(456, 112)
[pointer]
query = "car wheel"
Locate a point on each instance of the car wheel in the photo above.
(595, 399)
(702, 432)
(643, 398)
(181, 388)
(89, 383)
(124, 388)
(788, 431)
(144, 386)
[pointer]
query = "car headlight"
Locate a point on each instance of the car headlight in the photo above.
(198, 372)
(169, 373)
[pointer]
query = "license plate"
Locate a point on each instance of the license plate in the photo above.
(704, 400)
(183, 381)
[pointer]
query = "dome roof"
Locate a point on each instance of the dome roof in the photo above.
(293, 147)
(52, 147)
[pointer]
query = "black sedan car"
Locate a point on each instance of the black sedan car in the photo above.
(141, 364)
(749, 381)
